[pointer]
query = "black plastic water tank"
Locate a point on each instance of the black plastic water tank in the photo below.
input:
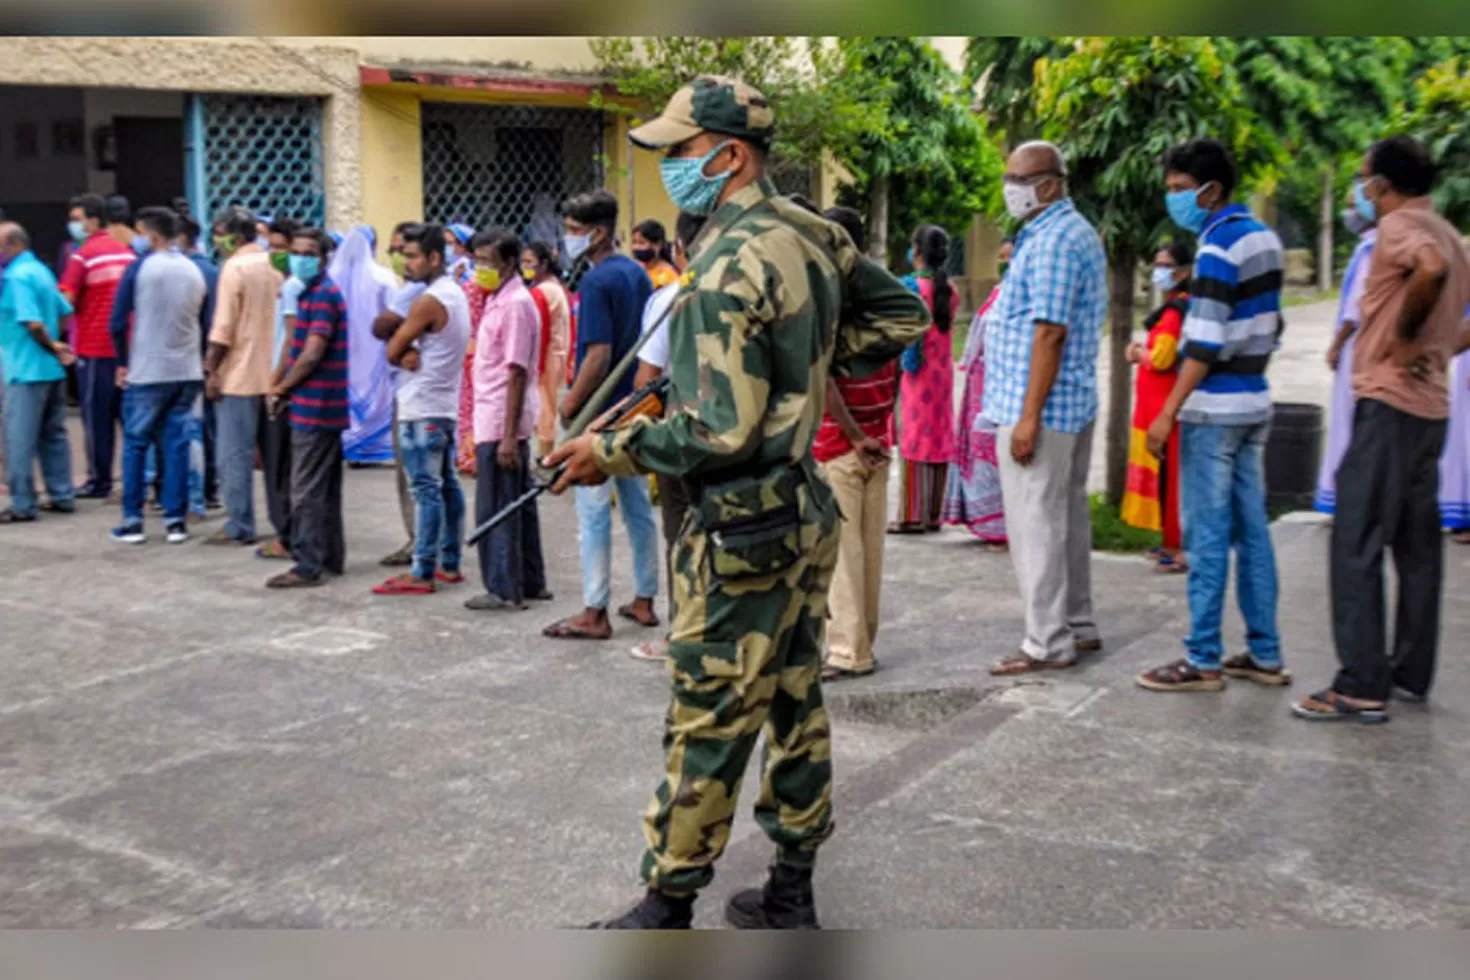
(1293, 455)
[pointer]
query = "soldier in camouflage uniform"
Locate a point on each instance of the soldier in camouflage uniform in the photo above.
(773, 295)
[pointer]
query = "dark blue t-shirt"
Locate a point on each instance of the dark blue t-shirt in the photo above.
(610, 304)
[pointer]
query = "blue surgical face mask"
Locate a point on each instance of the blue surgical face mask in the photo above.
(141, 245)
(1185, 210)
(687, 185)
(1163, 278)
(909, 256)
(577, 246)
(305, 267)
(1367, 210)
(77, 231)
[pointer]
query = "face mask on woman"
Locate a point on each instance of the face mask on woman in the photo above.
(1163, 278)
(644, 254)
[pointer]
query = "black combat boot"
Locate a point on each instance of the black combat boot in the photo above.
(656, 911)
(786, 902)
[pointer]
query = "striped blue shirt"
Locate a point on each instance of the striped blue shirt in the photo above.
(1234, 321)
(1058, 274)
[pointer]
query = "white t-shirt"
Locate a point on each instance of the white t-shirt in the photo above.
(655, 353)
(432, 392)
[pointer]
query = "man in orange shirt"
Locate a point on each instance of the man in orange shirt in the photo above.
(1413, 308)
(237, 371)
(89, 282)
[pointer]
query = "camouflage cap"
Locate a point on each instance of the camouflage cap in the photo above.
(710, 104)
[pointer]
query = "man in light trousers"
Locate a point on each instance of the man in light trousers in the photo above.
(1042, 393)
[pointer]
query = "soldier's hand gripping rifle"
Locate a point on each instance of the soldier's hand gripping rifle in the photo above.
(646, 401)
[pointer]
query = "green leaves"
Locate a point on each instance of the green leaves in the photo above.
(1440, 116)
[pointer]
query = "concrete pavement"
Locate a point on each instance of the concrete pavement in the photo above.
(180, 748)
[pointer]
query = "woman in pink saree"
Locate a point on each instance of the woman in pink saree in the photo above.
(972, 498)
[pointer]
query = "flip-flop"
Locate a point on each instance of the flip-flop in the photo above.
(1019, 663)
(448, 578)
(1460, 537)
(564, 630)
(627, 613)
(273, 552)
(399, 585)
(897, 528)
(832, 672)
(1329, 706)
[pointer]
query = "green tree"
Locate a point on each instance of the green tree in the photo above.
(1116, 105)
(818, 107)
(1004, 69)
(1440, 116)
(1320, 101)
(934, 161)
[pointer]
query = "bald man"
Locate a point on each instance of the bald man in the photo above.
(34, 361)
(1041, 390)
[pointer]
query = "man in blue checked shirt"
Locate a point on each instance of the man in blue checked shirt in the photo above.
(1223, 404)
(1041, 390)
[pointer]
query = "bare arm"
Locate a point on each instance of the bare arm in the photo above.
(646, 374)
(1046, 364)
(385, 323)
(426, 316)
(1462, 344)
(515, 396)
(594, 368)
(41, 336)
(301, 368)
(837, 408)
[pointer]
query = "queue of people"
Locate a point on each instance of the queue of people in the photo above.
(205, 369)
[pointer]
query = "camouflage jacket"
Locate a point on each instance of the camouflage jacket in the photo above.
(752, 337)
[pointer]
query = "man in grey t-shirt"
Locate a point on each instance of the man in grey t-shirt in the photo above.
(162, 298)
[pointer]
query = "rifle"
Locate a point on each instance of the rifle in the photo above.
(646, 401)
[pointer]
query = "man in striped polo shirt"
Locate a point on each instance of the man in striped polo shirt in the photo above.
(314, 379)
(1223, 403)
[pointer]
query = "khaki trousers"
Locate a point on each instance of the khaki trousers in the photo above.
(862, 496)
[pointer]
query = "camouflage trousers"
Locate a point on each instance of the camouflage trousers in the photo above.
(745, 657)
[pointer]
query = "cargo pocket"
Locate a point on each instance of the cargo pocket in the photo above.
(753, 525)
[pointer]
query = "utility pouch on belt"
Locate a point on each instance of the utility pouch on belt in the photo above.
(753, 523)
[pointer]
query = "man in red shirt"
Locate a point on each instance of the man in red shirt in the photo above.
(853, 447)
(89, 283)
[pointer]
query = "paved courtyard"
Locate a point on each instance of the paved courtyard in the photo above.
(180, 748)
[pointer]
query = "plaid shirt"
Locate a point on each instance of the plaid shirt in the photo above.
(1058, 274)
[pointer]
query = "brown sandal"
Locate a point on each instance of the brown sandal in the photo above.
(627, 612)
(565, 629)
(1018, 663)
(1181, 675)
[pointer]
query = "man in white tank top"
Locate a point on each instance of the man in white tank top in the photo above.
(428, 347)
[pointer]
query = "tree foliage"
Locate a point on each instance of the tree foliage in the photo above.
(1117, 104)
(940, 163)
(818, 107)
(1440, 116)
(1004, 68)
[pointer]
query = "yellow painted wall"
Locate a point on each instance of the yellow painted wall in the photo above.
(392, 160)
(392, 171)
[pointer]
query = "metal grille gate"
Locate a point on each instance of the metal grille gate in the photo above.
(262, 152)
(510, 166)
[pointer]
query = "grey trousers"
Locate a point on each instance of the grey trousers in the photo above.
(236, 419)
(1050, 529)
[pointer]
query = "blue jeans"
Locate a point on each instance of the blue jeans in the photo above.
(1223, 497)
(594, 531)
(195, 435)
(236, 417)
(35, 426)
(157, 414)
(427, 450)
